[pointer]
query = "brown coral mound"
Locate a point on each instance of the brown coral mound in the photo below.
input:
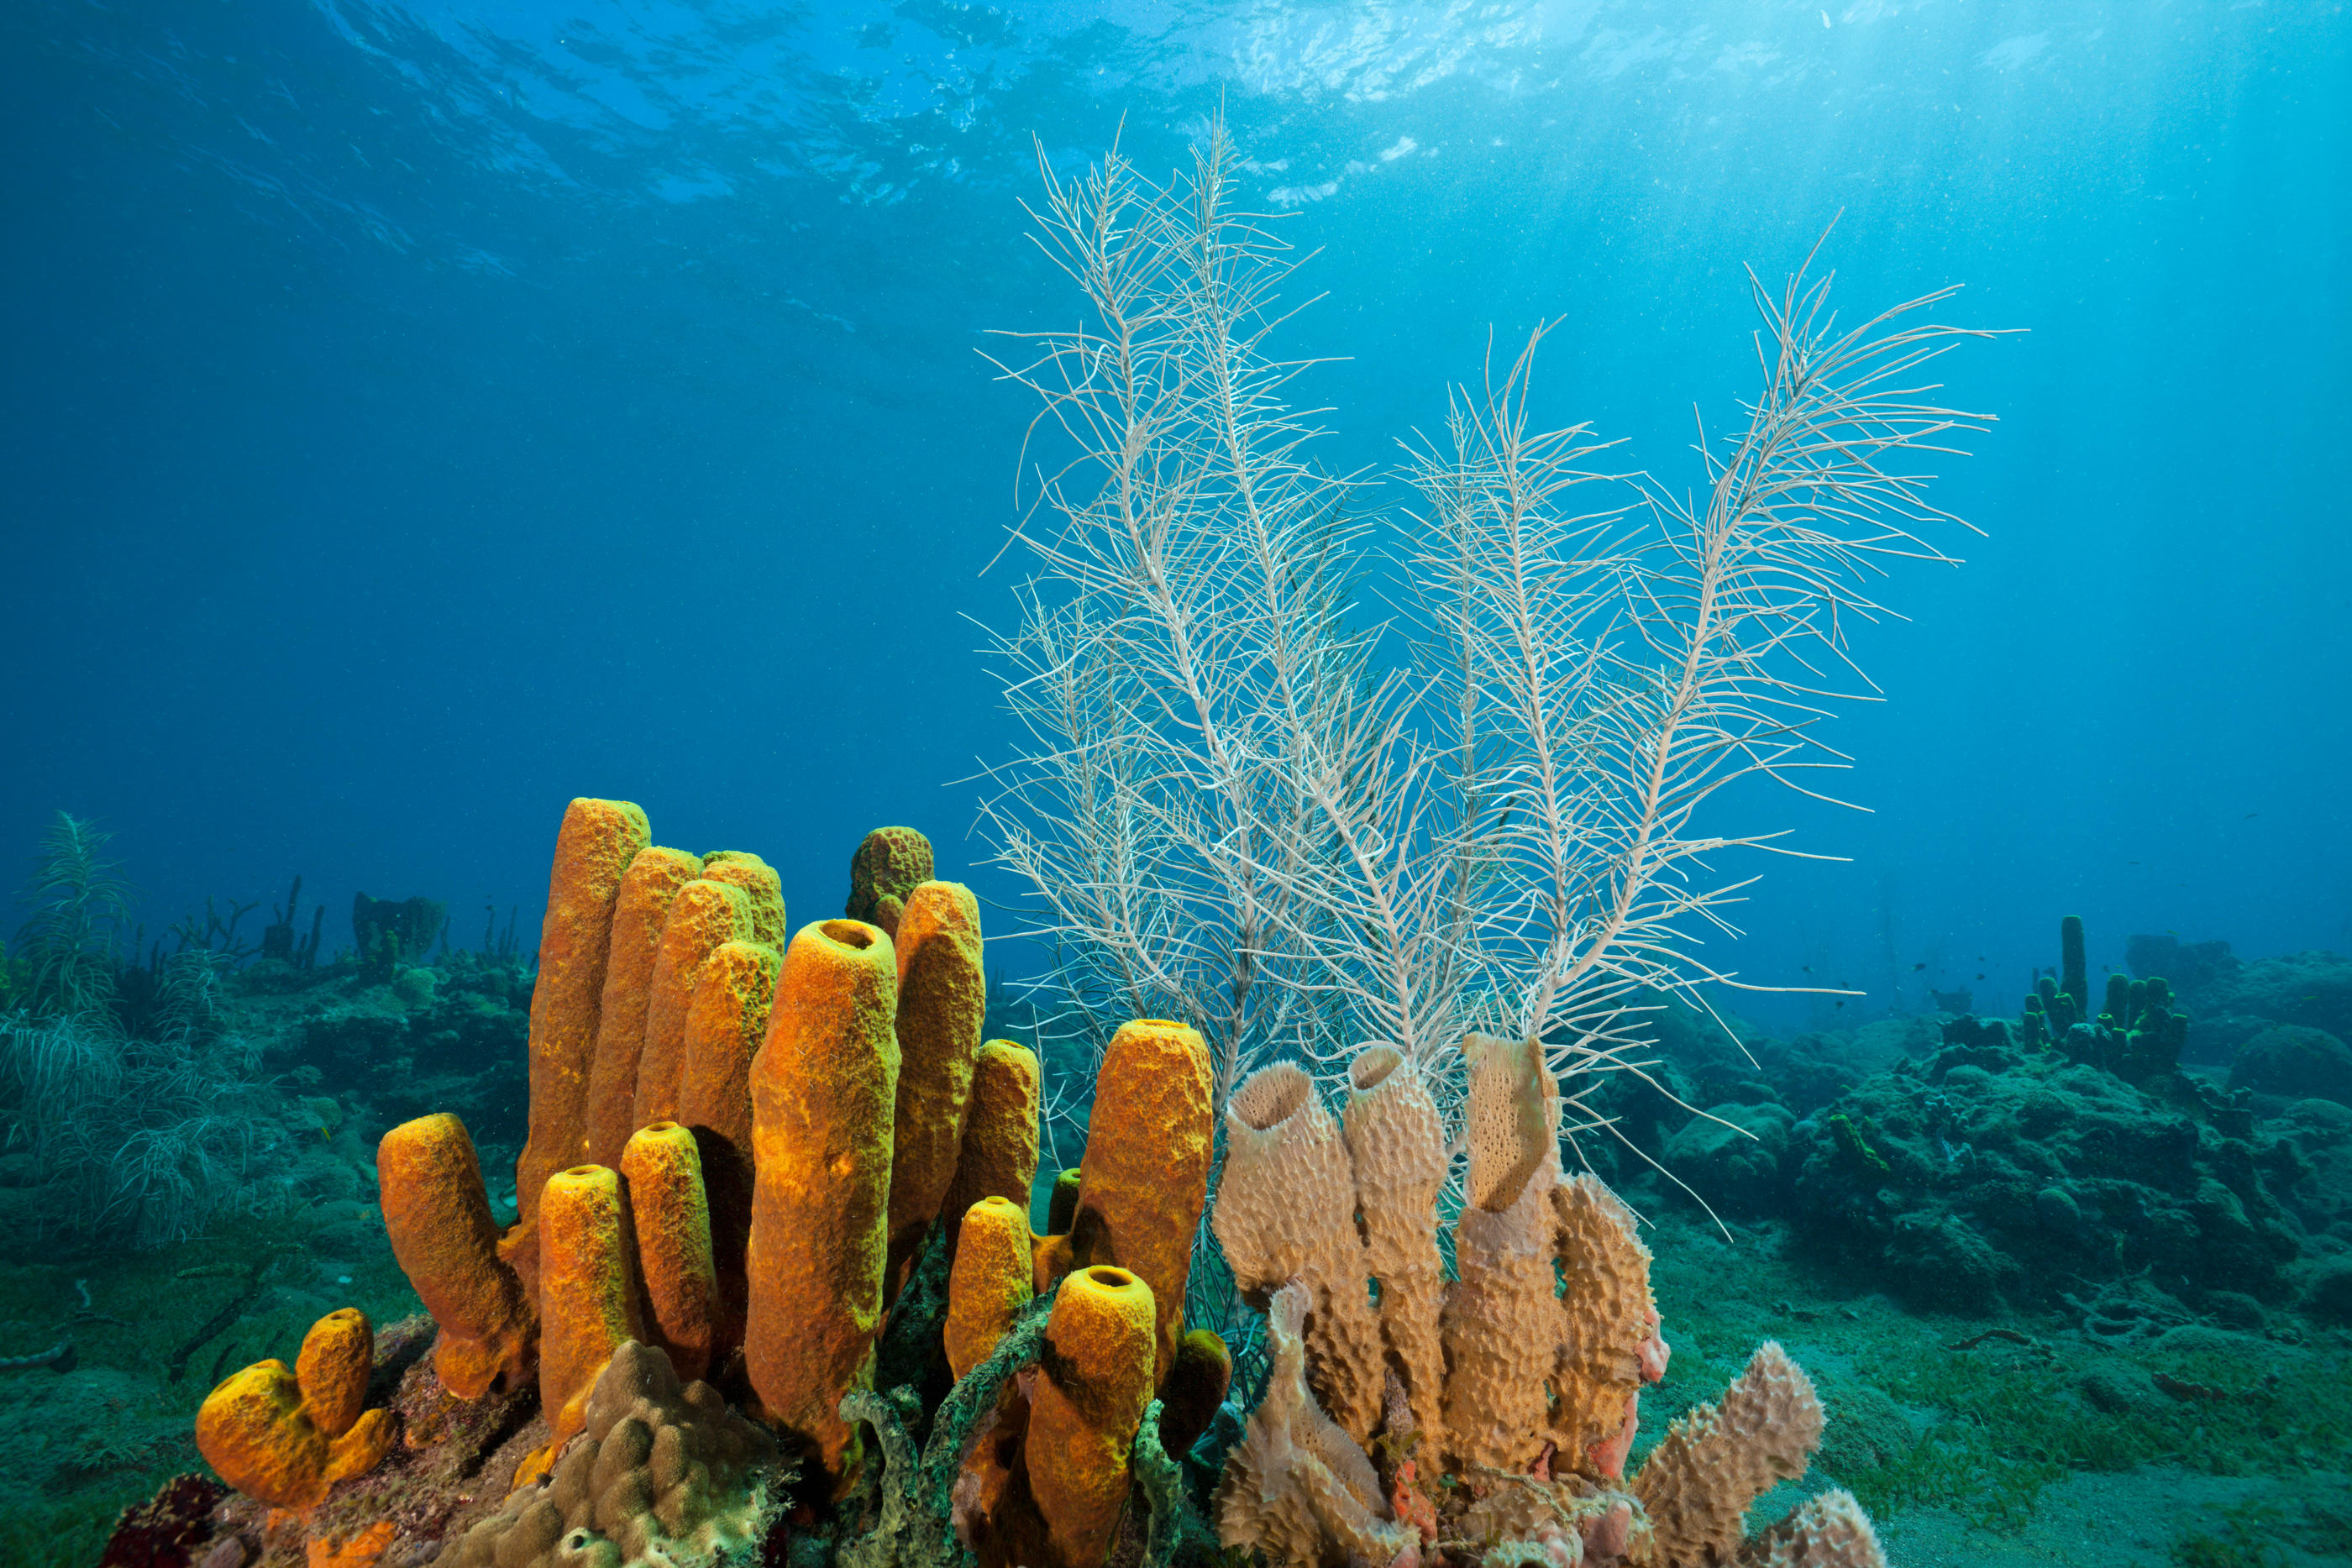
(663, 1474)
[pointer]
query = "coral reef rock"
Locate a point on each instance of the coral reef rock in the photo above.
(662, 1475)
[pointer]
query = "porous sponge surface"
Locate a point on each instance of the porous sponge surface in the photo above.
(823, 1090)
(639, 912)
(662, 1474)
(594, 849)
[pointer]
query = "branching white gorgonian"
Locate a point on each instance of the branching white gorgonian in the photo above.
(1241, 806)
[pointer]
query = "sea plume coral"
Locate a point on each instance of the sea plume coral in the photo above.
(1241, 804)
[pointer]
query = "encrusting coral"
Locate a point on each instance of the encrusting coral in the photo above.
(823, 1093)
(660, 1474)
(287, 1436)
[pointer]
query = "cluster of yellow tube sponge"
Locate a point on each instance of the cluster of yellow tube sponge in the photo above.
(287, 1436)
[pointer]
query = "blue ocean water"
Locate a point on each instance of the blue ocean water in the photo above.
(423, 414)
(426, 413)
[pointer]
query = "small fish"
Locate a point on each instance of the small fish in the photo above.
(1808, 968)
(1917, 967)
(1980, 976)
(2250, 816)
(1841, 1003)
(2131, 863)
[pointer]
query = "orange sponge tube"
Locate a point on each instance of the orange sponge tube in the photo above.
(1087, 1406)
(725, 1025)
(593, 849)
(705, 914)
(1145, 1175)
(889, 865)
(999, 1155)
(431, 1185)
(823, 1090)
(639, 914)
(672, 1222)
(285, 1438)
(588, 1298)
(943, 1004)
(989, 1281)
(761, 887)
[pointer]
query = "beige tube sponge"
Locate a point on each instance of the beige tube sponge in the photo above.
(1609, 1344)
(1502, 1317)
(1697, 1482)
(1286, 1212)
(1396, 1142)
(1828, 1530)
(822, 1092)
(1297, 1487)
(942, 1006)
(705, 914)
(639, 914)
(594, 849)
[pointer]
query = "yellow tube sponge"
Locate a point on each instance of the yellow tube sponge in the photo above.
(587, 1298)
(725, 1025)
(988, 1282)
(1096, 1382)
(1145, 1175)
(889, 865)
(704, 915)
(594, 849)
(761, 887)
(285, 1438)
(1397, 1144)
(823, 1090)
(639, 913)
(439, 1220)
(1285, 1211)
(942, 1003)
(672, 1222)
(999, 1155)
